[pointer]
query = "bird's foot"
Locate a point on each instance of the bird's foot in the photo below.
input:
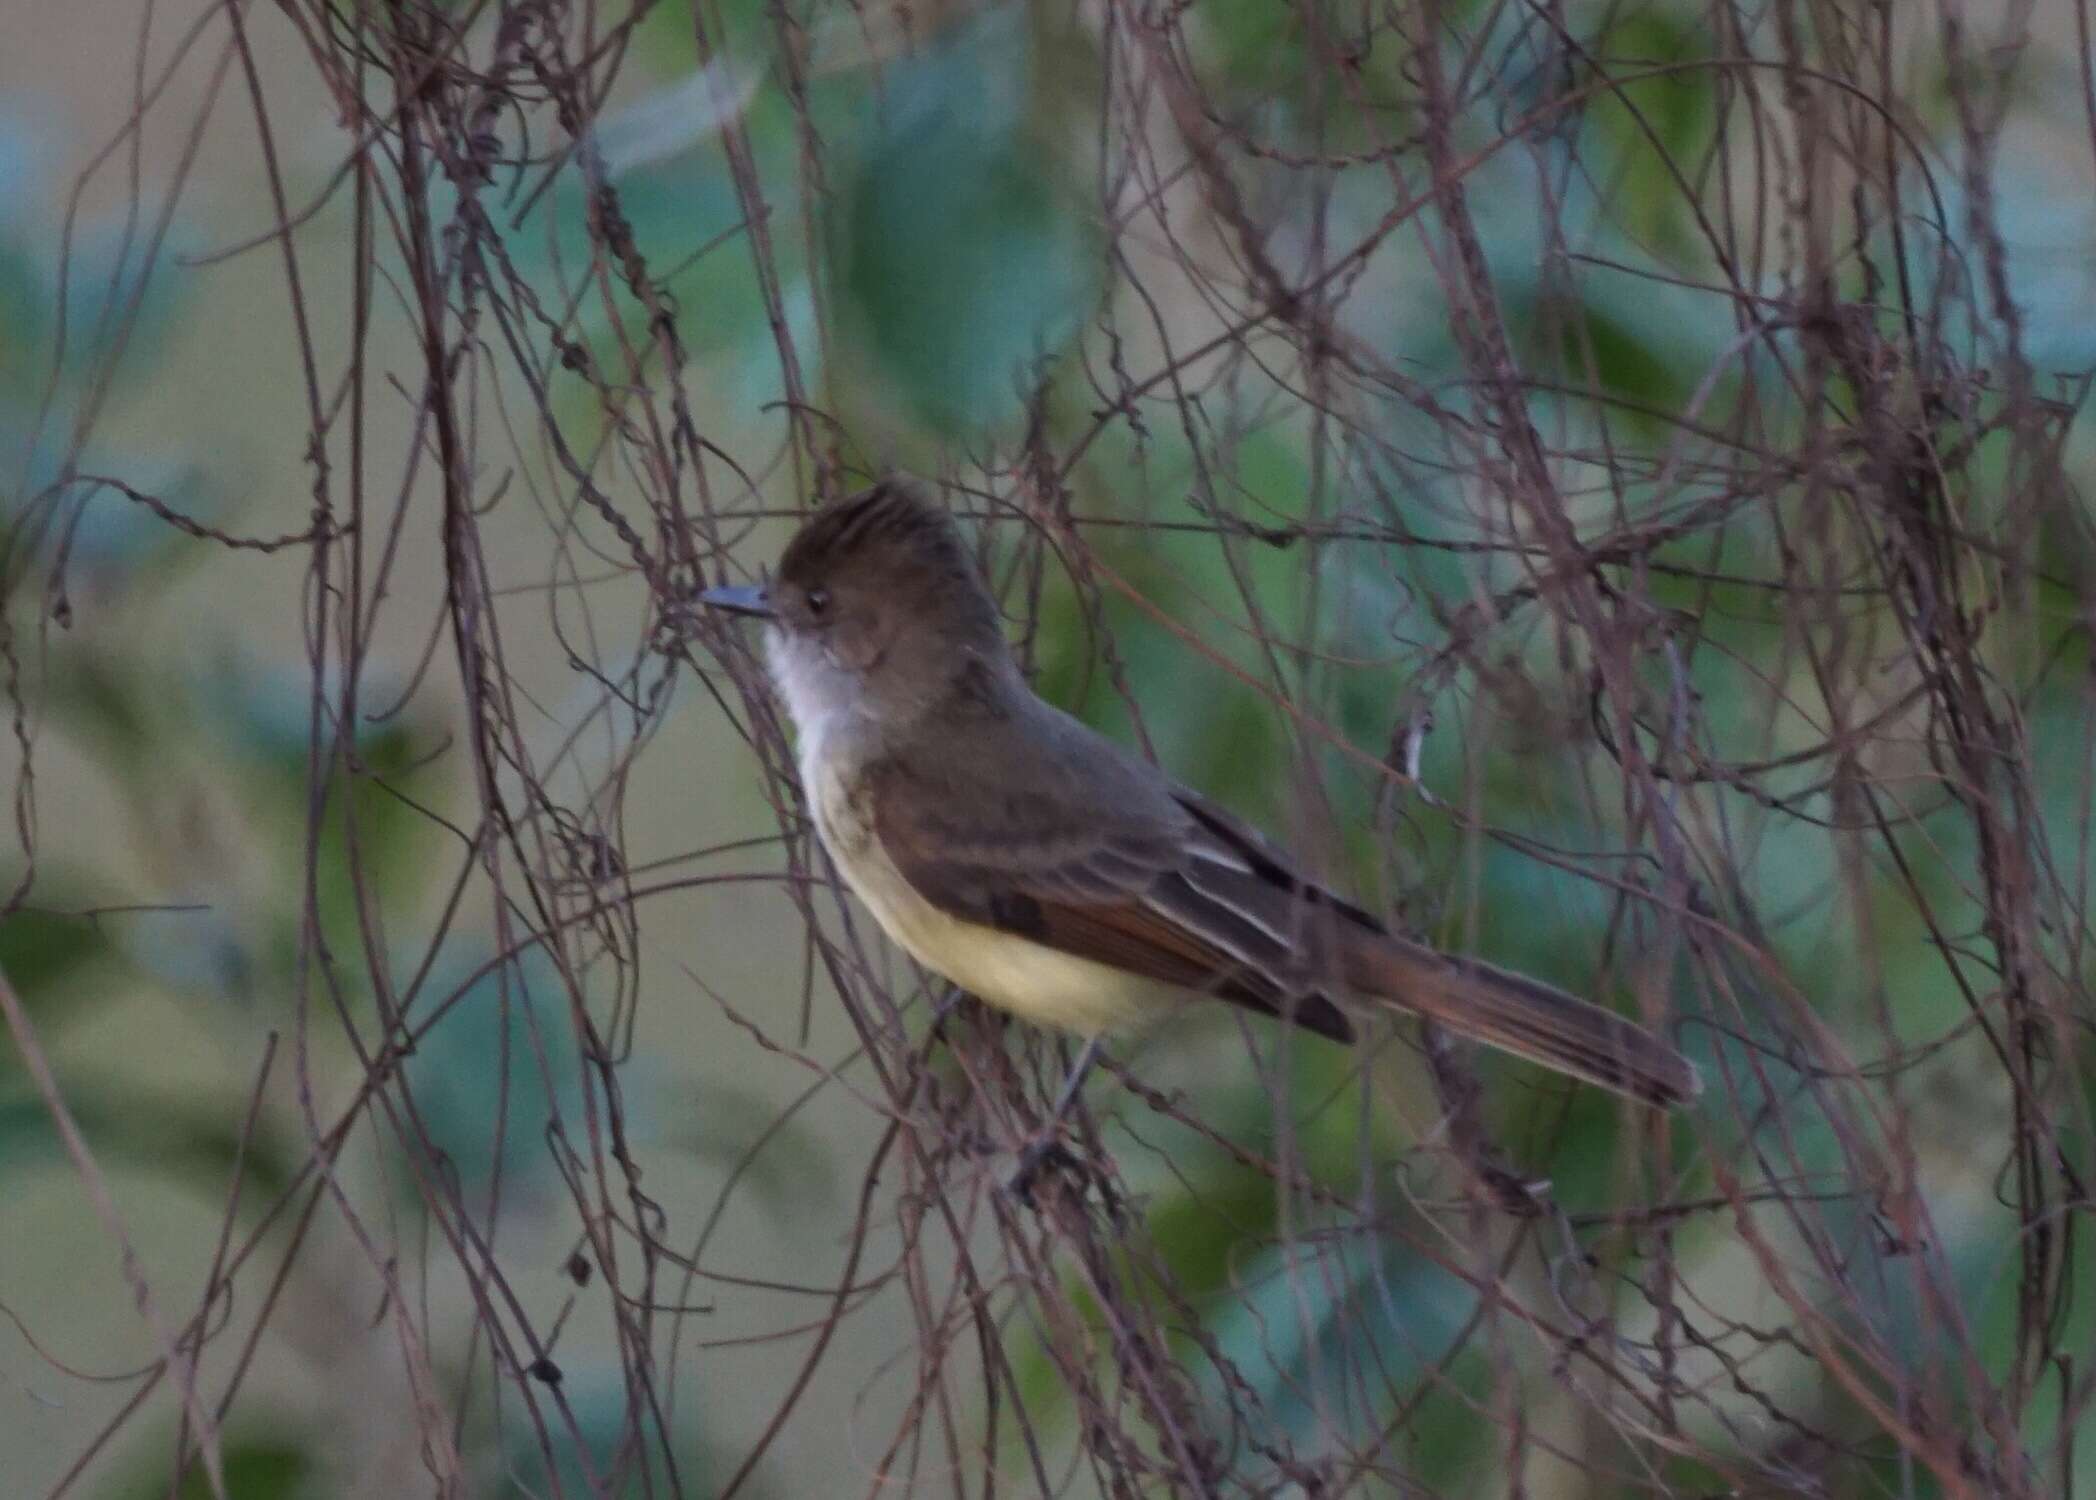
(1523, 1197)
(1038, 1155)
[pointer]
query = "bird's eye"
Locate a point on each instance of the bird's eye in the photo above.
(818, 601)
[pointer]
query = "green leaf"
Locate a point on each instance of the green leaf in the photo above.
(1634, 128)
(794, 1169)
(496, 1072)
(962, 259)
(99, 700)
(1313, 1315)
(1255, 46)
(1200, 1233)
(25, 321)
(41, 952)
(610, 1449)
(192, 1142)
(263, 717)
(255, 1469)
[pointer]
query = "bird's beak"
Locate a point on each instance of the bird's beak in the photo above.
(740, 599)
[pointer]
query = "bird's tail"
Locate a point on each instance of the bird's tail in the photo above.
(1522, 1016)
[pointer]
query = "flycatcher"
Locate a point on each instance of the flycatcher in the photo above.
(1052, 873)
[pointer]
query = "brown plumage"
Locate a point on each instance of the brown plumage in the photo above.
(1011, 848)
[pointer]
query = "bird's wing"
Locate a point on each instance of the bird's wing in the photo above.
(1112, 869)
(1472, 998)
(1121, 867)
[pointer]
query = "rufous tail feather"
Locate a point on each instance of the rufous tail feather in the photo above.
(1523, 1016)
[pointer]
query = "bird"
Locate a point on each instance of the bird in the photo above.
(1058, 876)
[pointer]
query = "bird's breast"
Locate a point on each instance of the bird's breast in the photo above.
(1041, 984)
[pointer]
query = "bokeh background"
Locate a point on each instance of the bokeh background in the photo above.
(1482, 443)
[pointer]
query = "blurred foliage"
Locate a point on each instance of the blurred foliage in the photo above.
(957, 260)
(960, 260)
(168, 742)
(1629, 333)
(256, 1468)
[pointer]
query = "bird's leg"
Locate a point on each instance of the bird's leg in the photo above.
(1046, 1144)
(1074, 1083)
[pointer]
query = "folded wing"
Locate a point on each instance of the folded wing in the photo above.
(1175, 889)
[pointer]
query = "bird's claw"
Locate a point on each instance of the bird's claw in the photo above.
(1037, 1155)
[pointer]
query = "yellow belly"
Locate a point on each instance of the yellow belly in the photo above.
(1035, 982)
